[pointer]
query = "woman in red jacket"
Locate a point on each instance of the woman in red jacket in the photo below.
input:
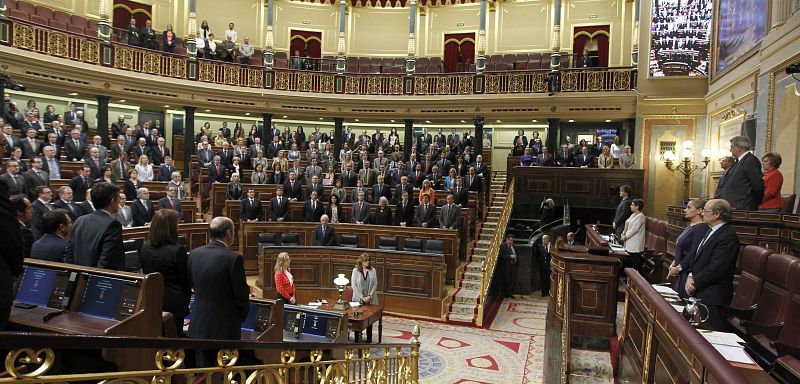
(773, 181)
(284, 282)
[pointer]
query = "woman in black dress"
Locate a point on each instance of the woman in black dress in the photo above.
(162, 253)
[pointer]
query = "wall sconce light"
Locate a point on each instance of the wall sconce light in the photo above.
(686, 164)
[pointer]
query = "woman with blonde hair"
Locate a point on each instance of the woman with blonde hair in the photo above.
(364, 281)
(144, 169)
(284, 281)
(427, 190)
(280, 160)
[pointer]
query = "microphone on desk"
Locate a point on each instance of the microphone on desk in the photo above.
(51, 315)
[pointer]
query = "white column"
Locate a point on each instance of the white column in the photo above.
(191, 30)
(781, 9)
(104, 24)
(340, 47)
(555, 56)
(480, 61)
(269, 45)
(411, 60)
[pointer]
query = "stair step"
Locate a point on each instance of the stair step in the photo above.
(462, 309)
(483, 242)
(474, 267)
(471, 284)
(472, 276)
(461, 318)
(466, 297)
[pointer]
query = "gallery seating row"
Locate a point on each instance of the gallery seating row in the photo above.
(49, 17)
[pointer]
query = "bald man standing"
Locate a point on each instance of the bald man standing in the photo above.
(220, 289)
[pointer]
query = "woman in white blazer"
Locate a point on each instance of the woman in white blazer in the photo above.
(634, 234)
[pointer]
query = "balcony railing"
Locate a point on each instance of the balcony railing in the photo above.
(54, 42)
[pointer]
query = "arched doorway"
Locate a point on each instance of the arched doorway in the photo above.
(459, 51)
(590, 46)
(125, 9)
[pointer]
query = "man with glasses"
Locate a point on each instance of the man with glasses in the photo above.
(742, 185)
(713, 264)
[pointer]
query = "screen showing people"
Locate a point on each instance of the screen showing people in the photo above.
(43, 287)
(679, 38)
(302, 322)
(108, 297)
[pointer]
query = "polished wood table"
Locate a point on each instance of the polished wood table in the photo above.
(359, 318)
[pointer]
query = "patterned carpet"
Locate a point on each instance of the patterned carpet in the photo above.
(511, 351)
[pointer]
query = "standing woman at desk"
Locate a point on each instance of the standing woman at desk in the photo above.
(284, 281)
(633, 234)
(162, 253)
(687, 243)
(365, 283)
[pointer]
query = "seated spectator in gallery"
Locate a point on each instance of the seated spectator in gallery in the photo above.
(773, 182)
(585, 159)
(605, 160)
(527, 159)
(519, 147)
(626, 159)
(168, 39)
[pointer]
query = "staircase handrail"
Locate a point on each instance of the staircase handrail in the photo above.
(489, 264)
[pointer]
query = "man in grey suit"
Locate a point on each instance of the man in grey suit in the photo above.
(623, 210)
(450, 214)
(361, 210)
(313, 170)
(742, 185)
(96, 238)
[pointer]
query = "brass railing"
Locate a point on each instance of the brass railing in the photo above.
(597, 79)
(490, 262)
(32, 356)
(517, 82)
(45, 40)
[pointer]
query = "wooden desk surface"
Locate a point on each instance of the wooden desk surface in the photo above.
(369, 314)
(67, 322)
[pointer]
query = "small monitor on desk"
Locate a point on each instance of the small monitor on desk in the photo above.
(258, 317)
(108, 297)
(44, 287)
(315, 325)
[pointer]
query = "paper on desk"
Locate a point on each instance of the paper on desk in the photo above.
(734, 354)
(662, 289)
(723, 338)
(355, 304)
(678, 308)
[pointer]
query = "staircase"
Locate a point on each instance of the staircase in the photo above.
(464, 307)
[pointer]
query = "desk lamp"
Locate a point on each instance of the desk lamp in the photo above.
(341, 282)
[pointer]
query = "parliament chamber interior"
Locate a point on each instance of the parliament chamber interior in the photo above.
(586, 191)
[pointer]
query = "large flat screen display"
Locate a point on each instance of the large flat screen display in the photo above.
(679, 38)
(36, 285)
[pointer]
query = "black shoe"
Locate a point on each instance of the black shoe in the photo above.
(545, 294)
(509, 296)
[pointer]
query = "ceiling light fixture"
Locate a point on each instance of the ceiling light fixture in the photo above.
(208, 110)
(571, 121)
(427, 121)
(608, 120)
(284, 116)
(122, 101)
(247, 114)
(534, 121)
(73, 94)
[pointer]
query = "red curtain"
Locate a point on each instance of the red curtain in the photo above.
(125, 9)
(306, 43)
(459, 51)
(582, 35)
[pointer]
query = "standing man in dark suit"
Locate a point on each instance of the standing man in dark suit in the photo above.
(361, 209)
(743, 186)
(95, 163)
(474, 183)
(65, 202)
(142, 208)
(543, 259)
(40, 206)
(80, 184)
(293, 188)
(159, 152)
(426, 213)
(251, 207)
(564, 158)
(381, 189)
(349, 177)
(96, 238)
(403, 186)
(11, 255)
(279, 206)
(74, 148)
(12, 179)
(544, 159)
(35, 177)
(170, 201)
(165, 169)
(405, 210)
(314, 186)
(118, 128)
(324, 234)
(313, 209)
(623, 210)
(713, 264)
(51, 245)
(216, 171)
(460, 194)
(507, 259)
(220, 289)
(31, 146)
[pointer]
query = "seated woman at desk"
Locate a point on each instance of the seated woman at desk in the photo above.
(364, 282)
(284, 281)
(633, 235)
(687, 242)
(162, 253)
